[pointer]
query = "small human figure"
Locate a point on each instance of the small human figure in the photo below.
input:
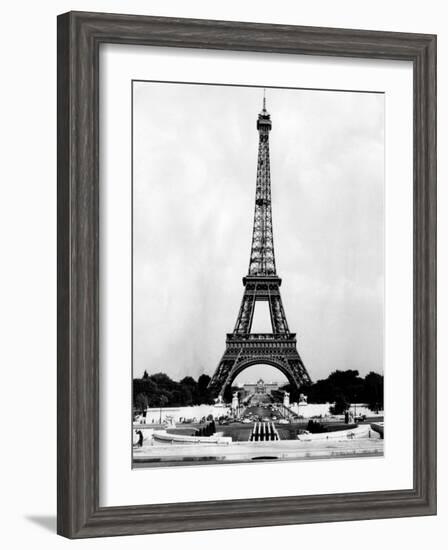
(140, 438)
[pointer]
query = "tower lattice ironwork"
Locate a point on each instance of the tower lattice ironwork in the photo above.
(279, 347)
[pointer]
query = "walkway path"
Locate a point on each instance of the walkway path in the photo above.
(261, 450)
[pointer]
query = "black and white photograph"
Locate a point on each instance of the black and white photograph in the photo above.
(258, 297)
(223, 293)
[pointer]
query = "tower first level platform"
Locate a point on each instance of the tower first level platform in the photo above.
(245, 349)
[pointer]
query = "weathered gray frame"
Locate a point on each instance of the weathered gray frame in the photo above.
(79, 37)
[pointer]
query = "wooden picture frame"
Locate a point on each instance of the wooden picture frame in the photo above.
(79, 38)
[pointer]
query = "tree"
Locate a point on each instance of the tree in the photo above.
(162, 380)
(189, 391)
(146, 387)
(340, 406)
(188, 381)
(186, 396)
(228, 393)
(141, 402)
(348, 383)
(374, 391)
(186, 392)
(204, 395)
(323, 391)
(203, 381)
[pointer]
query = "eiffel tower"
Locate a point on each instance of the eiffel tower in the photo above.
(279, 347)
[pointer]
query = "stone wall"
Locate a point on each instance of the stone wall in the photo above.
(175, 414)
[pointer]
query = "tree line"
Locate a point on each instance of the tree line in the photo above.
(344, 388)
(340, 387)
(159, 390)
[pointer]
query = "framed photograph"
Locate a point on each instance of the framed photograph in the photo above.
(246, 274)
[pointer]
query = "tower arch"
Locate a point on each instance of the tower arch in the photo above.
(247, 364)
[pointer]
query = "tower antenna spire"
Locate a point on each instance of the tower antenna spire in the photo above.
(264, 99)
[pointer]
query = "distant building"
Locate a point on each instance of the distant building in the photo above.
(261, 387)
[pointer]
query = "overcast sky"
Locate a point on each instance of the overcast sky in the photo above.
(195, 158)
